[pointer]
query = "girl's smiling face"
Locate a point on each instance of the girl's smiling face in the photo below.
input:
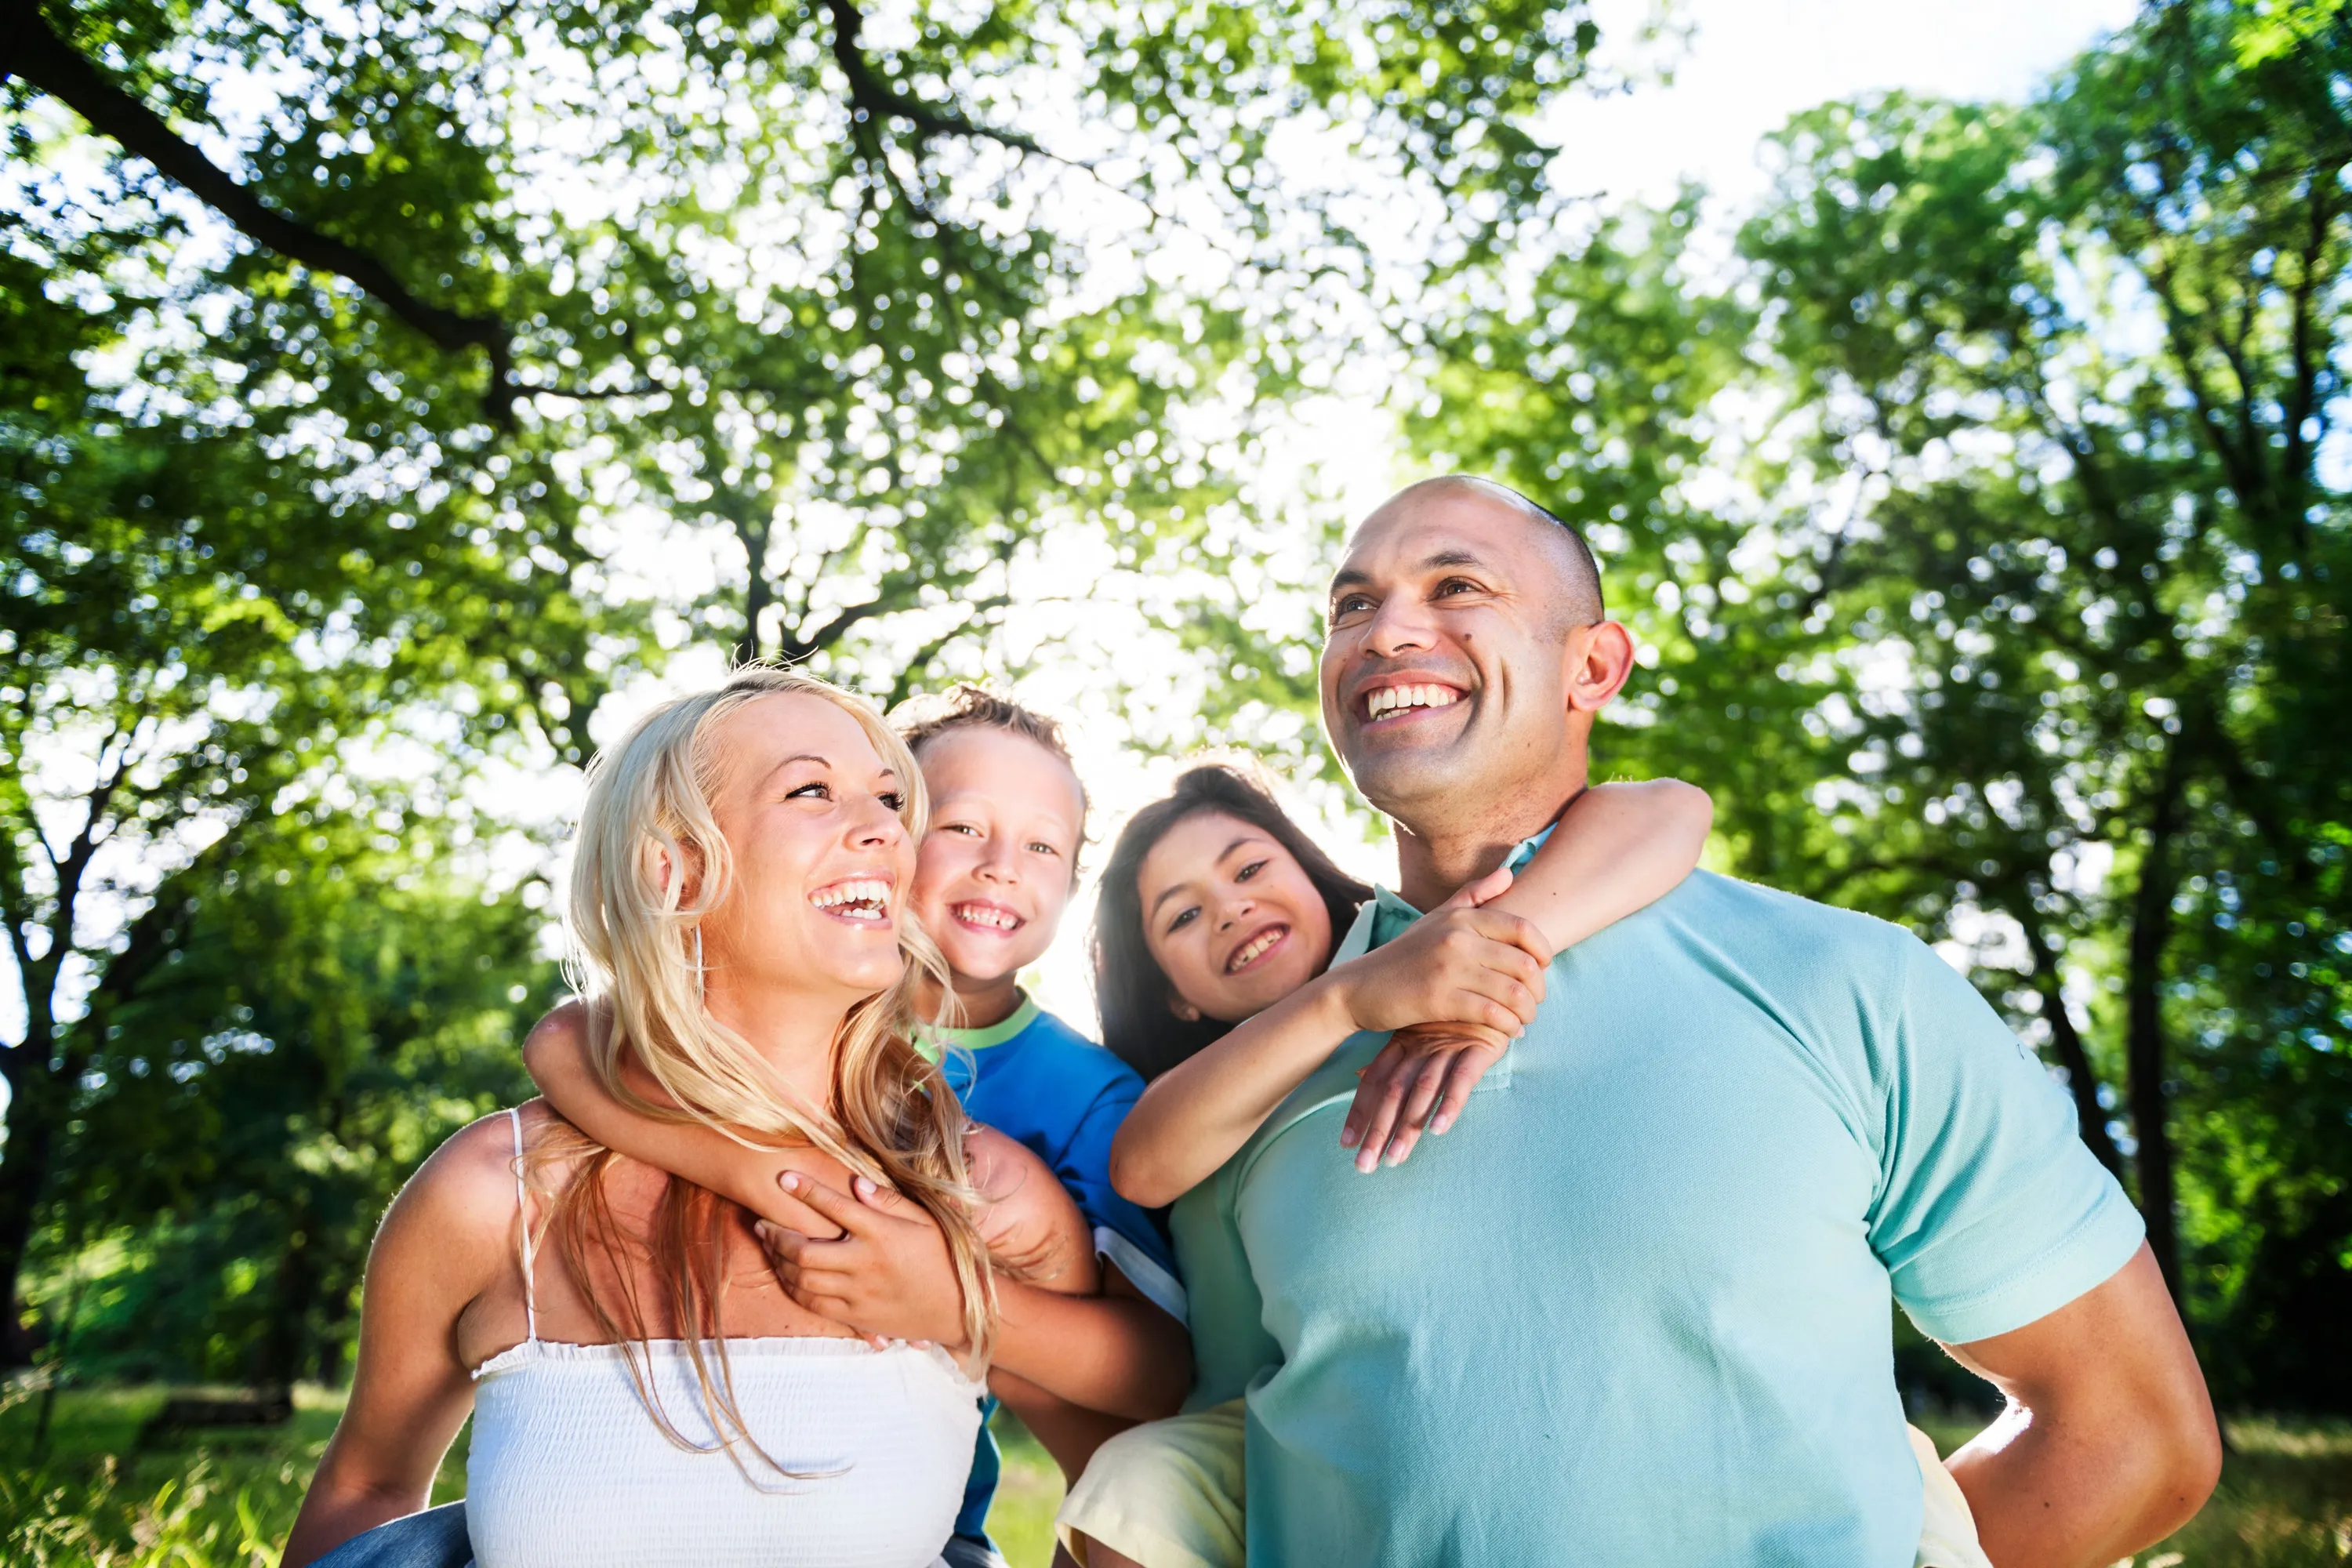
(1230, 916)
(996, 867)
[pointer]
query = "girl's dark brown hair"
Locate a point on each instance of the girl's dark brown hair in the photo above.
(1130, 989)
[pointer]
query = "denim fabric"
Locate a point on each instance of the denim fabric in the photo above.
(433, 1539)
(970, 1552)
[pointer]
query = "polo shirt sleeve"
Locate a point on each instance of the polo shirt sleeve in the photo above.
(1991, 1213)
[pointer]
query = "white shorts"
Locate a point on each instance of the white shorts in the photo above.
(1168, 1494)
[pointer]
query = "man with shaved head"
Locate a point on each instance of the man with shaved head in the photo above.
(1636, 1307)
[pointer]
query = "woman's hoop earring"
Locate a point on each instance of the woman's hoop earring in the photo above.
(698, 987)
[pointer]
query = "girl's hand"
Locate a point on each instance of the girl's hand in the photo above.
(887, 1275)
(1424, 1076)
(1420, 1081)
(1457, 964)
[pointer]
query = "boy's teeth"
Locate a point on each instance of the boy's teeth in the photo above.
(1389, 698)
(997, 918)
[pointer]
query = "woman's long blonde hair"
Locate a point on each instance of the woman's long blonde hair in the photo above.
(646, 831)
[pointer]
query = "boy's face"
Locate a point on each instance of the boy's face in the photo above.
(995, 871)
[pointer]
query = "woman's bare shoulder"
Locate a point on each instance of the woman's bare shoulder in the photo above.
(463, 1197)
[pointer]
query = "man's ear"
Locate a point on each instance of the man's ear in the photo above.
(1183, 1009)
(1600, 660)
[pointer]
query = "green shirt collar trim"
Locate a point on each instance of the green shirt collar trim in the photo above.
(981, 1039)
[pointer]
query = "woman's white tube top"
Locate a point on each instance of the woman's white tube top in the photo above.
(568, 1469)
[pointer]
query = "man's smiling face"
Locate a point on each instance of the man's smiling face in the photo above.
(1447, 649)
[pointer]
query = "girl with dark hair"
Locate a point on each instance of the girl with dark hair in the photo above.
(1144, 1023)
(1214, 934)
(1216, 911)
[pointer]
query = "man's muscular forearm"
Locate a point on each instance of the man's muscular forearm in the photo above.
(2109, 1443)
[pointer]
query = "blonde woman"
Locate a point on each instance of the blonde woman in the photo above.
(643, 1391)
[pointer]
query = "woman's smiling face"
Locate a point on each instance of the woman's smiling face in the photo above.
(1231, 918)
(813, 816)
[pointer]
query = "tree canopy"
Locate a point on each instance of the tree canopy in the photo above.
(358, 359)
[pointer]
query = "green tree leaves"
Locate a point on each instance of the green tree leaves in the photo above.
(358, 361)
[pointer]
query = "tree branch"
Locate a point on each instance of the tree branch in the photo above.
(797, 648)
(2064, 1037)
(48, 62)
(2303, 400)
(868, 92)
(2242, 467)
(2143, 1041)
(902, 685)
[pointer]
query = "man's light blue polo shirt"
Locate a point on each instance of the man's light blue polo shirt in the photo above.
(1635, 1308)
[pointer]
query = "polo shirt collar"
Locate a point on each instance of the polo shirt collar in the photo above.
(996, 1034)
(1384, 917)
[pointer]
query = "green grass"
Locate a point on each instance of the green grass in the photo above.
(1021, 1522)
(97, 1499)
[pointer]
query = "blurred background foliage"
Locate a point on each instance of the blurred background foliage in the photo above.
(1978, 498)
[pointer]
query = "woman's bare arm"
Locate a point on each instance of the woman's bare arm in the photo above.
(556, 1056)
(448, 1234)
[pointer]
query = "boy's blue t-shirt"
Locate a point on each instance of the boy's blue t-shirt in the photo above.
(1040, 1082)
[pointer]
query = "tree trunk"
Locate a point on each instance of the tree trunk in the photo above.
(758, 592)
(35, 1100)
(2067, 1041)
(756, 600)
(282, 1354)
(2151, 930)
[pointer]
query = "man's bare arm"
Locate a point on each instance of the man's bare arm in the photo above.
(2109, 1443)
